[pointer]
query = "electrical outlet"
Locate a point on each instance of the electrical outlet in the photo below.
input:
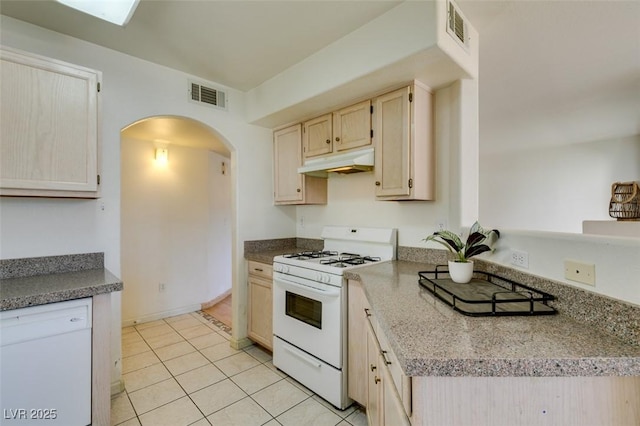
(520, 258)
(161, 287)
(581, 272)
(441, 225)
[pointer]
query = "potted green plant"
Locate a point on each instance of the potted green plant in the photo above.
(478, 241)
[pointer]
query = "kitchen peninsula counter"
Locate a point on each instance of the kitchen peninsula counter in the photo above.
(431, 339)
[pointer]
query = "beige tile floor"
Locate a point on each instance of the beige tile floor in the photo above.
(182, 371)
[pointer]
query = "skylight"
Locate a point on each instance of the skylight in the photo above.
(115, 11)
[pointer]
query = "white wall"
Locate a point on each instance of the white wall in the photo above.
(134, 89)
(175, 230)
(220, 222)
(559, 108)
(554, 188)
(616, 260)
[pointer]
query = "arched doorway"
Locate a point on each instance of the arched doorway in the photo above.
(176, 217)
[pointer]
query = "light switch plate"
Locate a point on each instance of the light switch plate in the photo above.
(581, 272)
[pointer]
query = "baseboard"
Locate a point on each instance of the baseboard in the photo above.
(117, 387)
(207, 305)
(161, 315)
(240, 343)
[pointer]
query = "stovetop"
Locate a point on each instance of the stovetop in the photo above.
(344, 248)
(331, 258)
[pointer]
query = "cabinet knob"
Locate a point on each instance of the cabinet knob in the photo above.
(328, 140)
(366, 312)
(376, 380)
(377, 183)
(298, 190)
(373, 367)
(337, 139)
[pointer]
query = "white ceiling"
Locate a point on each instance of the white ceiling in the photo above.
(236, 43)
(549, 70)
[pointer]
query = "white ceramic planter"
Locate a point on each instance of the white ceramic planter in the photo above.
(461, 272)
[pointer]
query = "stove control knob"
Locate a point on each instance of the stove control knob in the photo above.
(281, 268)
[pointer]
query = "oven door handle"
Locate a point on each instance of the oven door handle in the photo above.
(332, 293)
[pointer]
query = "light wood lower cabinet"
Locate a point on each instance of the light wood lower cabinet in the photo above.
(488, 401)
(357, 343)
(372, 367)
(260, 312)
(375, 392)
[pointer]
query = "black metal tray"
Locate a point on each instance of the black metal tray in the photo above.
(486, 294)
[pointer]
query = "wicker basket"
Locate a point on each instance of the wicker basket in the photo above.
(625, 201)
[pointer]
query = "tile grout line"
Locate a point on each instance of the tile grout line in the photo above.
(174, 376)
(341, 416)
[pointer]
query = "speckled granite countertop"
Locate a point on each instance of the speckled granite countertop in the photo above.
(430, 339)
(35, 281)
(265, 250)
(41, 289)
(268, 255)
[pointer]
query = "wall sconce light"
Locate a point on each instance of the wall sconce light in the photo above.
(162, 155)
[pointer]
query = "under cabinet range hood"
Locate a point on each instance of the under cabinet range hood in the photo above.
(349, 162)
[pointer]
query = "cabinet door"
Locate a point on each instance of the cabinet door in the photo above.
(317, 136)
(392, 408)
(374, 374)
(291, 187)
(50, 125)
(260, 318)
(287, 150)
(391, 134)
(352, 126)
(357, 352)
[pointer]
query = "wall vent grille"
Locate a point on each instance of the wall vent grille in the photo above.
(456, 25)
(207, 95)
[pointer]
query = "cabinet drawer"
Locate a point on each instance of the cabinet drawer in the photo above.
(261, 269)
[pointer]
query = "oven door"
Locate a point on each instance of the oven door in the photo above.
(308, 314)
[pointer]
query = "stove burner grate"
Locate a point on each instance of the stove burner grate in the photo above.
(313, 254)
(349, 259)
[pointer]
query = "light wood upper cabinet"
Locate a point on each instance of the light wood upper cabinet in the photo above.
(352, 127)
(50, 127)
(291, 187)
(260, 312)
(342, 130)
(404, 145)
(318, 136)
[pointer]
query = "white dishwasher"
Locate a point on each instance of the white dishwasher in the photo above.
(45, 364)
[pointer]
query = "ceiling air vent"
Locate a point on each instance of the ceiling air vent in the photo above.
(207, 95)
(456, 25)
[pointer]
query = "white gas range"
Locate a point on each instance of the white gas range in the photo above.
(310, 306)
